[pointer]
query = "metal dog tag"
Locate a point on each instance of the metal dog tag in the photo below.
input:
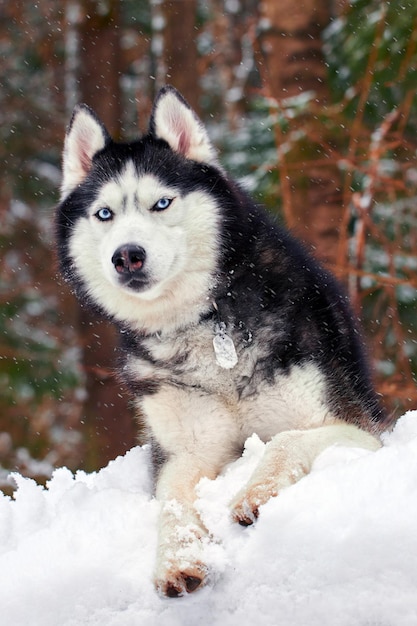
(224, 348)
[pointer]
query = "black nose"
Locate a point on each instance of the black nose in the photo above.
(129, 259)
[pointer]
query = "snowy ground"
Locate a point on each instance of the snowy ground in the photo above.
(337, 549)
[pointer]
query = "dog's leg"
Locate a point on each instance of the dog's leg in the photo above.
(288, 457)
(180, 566)
(197, 435)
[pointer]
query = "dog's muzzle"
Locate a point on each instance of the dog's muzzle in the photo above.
(128, 261)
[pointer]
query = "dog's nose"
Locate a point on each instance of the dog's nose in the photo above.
(129, 258)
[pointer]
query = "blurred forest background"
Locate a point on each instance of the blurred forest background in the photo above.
(312, 105)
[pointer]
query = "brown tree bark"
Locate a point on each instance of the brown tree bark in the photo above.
(292, 62)
(100, 61)
(107, 417)
(179, 56)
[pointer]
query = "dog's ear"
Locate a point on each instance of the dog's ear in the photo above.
(85, 137)
(173, 120)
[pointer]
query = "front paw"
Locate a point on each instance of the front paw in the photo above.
(245, 506)
(180, 566)
(175, 581)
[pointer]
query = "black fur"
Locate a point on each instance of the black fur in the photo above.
(265, 278)
(234, 328)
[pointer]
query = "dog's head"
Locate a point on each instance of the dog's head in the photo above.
(138, 224)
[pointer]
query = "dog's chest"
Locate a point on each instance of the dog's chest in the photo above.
(259, 403)
(255, 402)
(201, 357)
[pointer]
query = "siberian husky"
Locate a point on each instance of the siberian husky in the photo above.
(227, 326)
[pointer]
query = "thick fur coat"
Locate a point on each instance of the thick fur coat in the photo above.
(227, 326)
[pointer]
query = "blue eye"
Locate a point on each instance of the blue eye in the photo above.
(104, 214)
(162, 204)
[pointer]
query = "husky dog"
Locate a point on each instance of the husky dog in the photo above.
(227, 326)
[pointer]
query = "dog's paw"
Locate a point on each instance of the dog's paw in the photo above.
(180, 565)
(176, 582)
(245, 506)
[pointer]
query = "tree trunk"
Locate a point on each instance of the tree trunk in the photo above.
(99, 61)
(108, 420)
(179, 57)
(293, 61)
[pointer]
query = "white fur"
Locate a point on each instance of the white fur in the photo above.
(287, 458)
(85, 138)
(197, 433)
(295, 400)
(181, 128)
(180, 243)
(200, 414)
(201, 432)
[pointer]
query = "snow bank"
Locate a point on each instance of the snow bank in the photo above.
(338, 548)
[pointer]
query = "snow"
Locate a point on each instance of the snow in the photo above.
(339, 548)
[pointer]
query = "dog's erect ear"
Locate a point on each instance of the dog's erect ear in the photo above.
(173, 120)
(86, 135)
